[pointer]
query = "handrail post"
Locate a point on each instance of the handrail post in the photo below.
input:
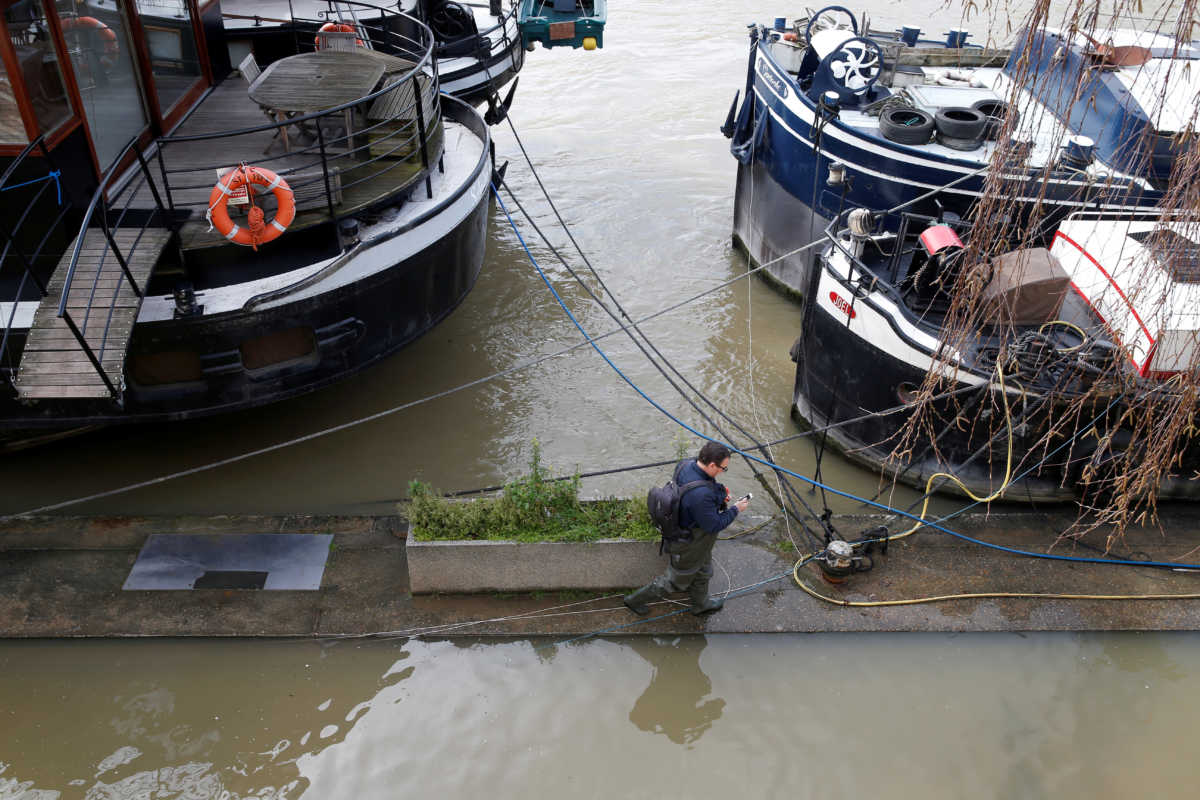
(421, 132)
(137, 151)
(162, 167)
(329, 189)
(88, 352)
(116, 250)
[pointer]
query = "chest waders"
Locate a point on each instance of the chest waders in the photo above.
(689, 569)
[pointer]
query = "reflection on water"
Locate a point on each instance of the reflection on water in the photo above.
(676, 703)
(834, 716)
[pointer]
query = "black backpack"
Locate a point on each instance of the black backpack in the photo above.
(663, 502)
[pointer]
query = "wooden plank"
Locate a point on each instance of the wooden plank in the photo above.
(94, 329)
(113, 344)
(110, 345)
(102, 291)
(83, 303)
(63, 379)
(63, 392)
(93, 279)
(74, 365)
(96, 321)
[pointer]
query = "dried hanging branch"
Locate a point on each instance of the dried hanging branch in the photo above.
(1138, 429)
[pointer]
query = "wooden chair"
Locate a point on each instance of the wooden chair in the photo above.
(250, 71)
(249, 68)
(393, 121)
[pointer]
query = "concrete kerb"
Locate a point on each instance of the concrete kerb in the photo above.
(467, 567)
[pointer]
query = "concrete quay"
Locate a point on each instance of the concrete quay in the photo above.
(63, 577)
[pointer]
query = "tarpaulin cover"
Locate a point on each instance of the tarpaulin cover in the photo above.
(1027, 288)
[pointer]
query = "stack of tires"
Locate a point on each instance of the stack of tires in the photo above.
(959, 128)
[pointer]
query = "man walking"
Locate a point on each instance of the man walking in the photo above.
(702, 514)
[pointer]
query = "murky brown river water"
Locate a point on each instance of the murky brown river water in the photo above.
(829, 716)
(626, 141)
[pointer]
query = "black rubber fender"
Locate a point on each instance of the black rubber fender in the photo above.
(905, 125)
(995, 113)
(960, 123)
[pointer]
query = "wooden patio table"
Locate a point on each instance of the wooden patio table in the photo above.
(309, 82)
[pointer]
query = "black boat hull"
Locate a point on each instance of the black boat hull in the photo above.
(847, 381)
(382, 294)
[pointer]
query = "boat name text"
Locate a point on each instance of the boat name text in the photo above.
(841, 305)
(774, 81)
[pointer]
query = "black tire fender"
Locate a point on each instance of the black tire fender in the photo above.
(905, 125)
(995, 112)
(960, 122)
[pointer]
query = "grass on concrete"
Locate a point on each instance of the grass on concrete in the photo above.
(532, 508)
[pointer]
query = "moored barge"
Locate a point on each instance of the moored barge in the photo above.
(137, 283)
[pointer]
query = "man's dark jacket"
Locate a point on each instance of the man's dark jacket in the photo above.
(701, 507)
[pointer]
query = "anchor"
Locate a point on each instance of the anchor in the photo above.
(497, 110)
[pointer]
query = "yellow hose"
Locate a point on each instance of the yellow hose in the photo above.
(1007, 478)
(1082, 336)
(977, 595)
(1007, 468)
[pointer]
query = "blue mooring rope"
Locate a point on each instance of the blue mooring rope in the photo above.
(810, 481)
(52, 175)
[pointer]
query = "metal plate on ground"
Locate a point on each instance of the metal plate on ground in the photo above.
(277, 561)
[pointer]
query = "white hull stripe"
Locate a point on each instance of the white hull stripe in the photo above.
(894, 178)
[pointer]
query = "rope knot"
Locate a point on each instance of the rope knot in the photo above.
(256, 220)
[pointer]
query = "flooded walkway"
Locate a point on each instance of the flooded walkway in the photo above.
(64, 577)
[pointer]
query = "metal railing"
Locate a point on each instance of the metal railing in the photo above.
(32, 200)
(108, 199)
(387, 156)
(381, 144)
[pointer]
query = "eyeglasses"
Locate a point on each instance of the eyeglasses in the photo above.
(723, 467)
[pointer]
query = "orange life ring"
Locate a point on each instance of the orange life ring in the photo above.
(336, 27)
(111, 47)
(257, 230)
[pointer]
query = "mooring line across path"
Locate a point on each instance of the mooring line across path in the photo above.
(805, 478)
(394, 409)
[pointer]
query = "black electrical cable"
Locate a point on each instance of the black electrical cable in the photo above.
(653, 464)
(789, 489)
(758, 446)
(780, 476)
(806, 320)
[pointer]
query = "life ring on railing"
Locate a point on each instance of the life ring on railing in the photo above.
(335, 27)
(257, 230)
(112, 47)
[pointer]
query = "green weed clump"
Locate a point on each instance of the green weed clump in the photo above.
(532, 508)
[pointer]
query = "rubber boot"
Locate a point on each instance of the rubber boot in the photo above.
(639, 602)
(707, 606)
(698, 593)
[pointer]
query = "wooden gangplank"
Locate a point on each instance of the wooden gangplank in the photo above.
(54, 364)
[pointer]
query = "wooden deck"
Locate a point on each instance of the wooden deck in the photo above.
(193, 166)
(102, 304)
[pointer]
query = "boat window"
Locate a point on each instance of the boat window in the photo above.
(41, 73)
(170, 39)
(12, 127)
(286, 348)
(105, 70)
(160, 369)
